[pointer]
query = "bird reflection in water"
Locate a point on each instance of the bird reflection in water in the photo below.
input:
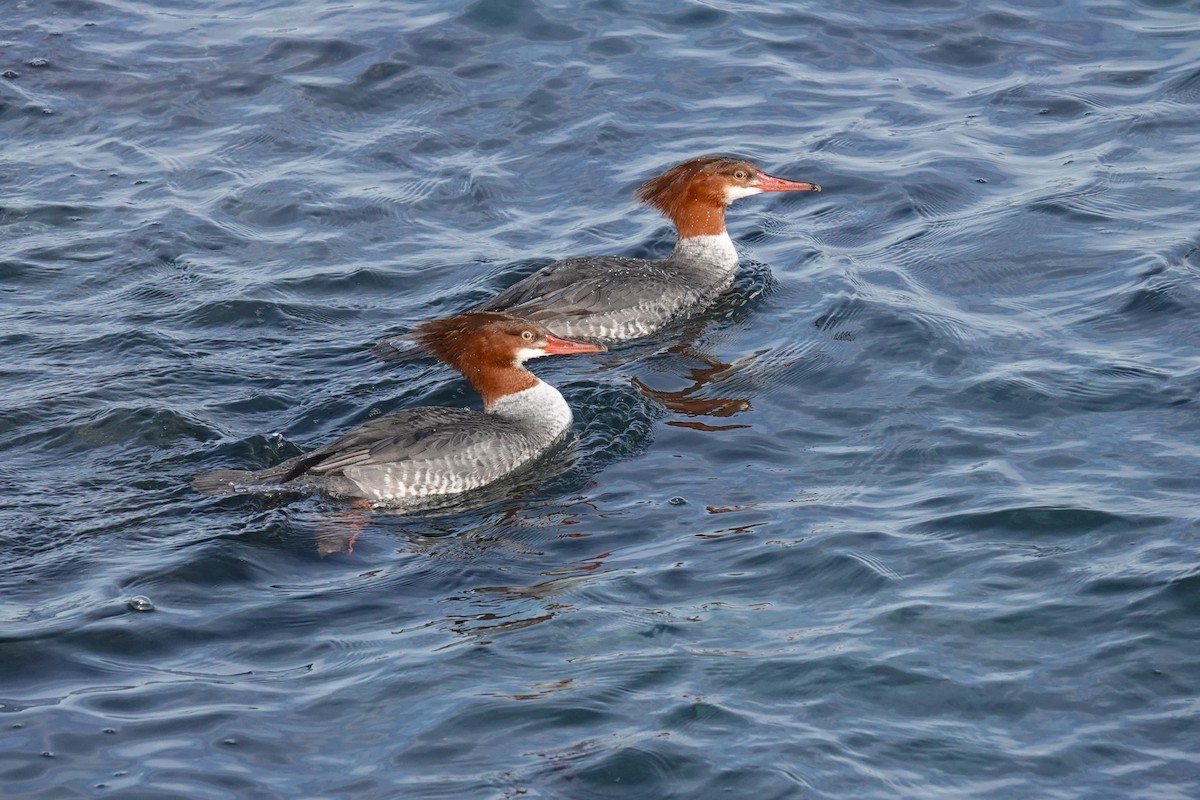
(686, 401)
(339, 533)
(482, 627)
(490, 610)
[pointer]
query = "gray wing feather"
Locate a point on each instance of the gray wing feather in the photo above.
(448, 449)
(581, 285)
(420, 434)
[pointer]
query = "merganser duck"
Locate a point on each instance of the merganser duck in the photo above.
(614, 298)
(419, 455)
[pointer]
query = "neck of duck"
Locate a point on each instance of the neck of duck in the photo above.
(710, 256)
(704, 245)
(540, 409)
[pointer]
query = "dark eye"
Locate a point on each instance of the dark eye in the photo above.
(527, 335)
(741, 175)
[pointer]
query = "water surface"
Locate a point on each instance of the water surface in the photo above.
(911, 512)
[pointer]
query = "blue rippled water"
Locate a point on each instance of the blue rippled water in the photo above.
(911, 513)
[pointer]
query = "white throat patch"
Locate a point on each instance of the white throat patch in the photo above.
(735, 192)
(526, 353)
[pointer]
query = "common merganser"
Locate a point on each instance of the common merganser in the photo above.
(419, 455)
(614, 298)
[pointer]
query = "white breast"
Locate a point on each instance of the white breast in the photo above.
(541, 407)
(715, 252)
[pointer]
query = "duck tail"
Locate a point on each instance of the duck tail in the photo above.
(225, 482)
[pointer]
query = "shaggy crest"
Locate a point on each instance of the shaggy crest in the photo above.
(453, 339)
(677, 187)
(487, 362)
